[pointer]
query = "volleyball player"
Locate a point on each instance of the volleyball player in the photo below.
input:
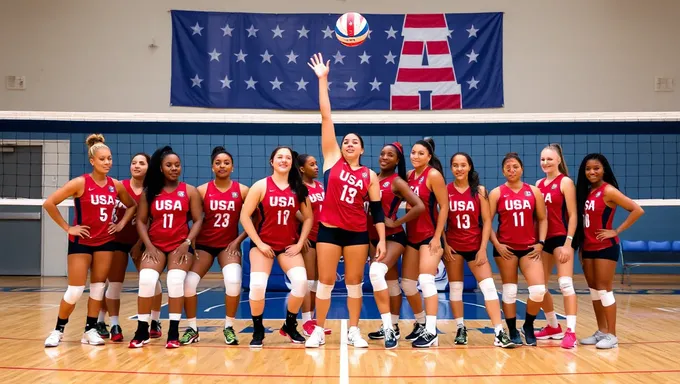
(343, 225)
(218, 239)
(467, 236)
(559, 195)
(519, 241)
(168, 204)
(393, 190)
(424, 241)
(90, 239)
(278, 197)
(597, 197)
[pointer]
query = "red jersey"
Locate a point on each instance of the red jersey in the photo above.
(278, 227)
(422, 227)
(516, 224)
(464, 224)
(169, 214)
(346, 191)
(128, 235)
(222, 211)
(95, 209)
(597, 215)
(316, 196)
(390, 205)
(556, 206)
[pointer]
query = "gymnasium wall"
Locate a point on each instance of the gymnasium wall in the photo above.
(559, 56)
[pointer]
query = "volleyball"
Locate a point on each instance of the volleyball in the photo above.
(351, 29)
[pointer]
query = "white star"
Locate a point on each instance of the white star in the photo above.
(227, 30)
(351, 84)
(339, 57)
(375, 84)
(472, 31)
(266, 56)
(196, 30)
(251, 83)
(364, 58)
(252, 31)
(369, 33)
(292, 57)
(276, 84)
(214, 55)
(391, 33)
(240, 56)
(390, 58)
(196, 81)
(278, 32)
(449, 33)
(303, 32)
(328, 32)
(473, 83)
(329, 86)
(226, 83)
(472, 56)
(302, 84)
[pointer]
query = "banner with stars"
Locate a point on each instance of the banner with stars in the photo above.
(408, 62)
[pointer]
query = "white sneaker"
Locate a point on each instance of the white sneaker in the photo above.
(54, 338)
(92, 337)
(354, 338)
(317, 338)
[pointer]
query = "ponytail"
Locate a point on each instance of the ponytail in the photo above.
(435, 163)
(401, 164)
(563, 164)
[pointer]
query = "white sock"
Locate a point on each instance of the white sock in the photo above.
(387, 320)
(114, 320)
(498, 328)
(460, 322)
(395, 319)
(143, 318)
(571, 322)
(192, 323)
(228, 322)
(431, 324)
(552, 319)
(101, 317)
(420, 317)
(306, 316)
(155, 315)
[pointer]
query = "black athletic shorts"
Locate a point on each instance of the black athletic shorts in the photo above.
(468, 255)
(276, 251)
(516, 252)
(341, 237)
(90, 249)
(611, 253)
(121, 247)
(211, 250)
(399, 237)
(191, 250)
(418, 245)
(312, 244)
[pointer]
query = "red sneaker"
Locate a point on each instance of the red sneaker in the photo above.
(171, 344)
(156, 331)
(137, 343)
(116, 333)
(549, 332)
(569, 340)
(308, 327)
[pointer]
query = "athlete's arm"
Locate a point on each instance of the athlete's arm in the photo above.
(196, 209)
(202, 189)
(129, 202)
(375, 206)
(486, 216)
(569, 192)
(401, 189)
(329, 144)
(254, 197)
(244, 193)
(74, 188)
(142, 221)
(307, 221)
(613, 195)
(541, 214)
(438, 186)
(493, 206)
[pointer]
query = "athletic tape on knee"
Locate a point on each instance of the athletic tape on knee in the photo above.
(354, 291)
(73, 293)
(258, 285)
(175, 281)
(393, 288)
(113, 291)
(566, 285)
(190, 283)
(232, 279)
(147, 282)
(456, 290)
(410, 287)
(323, 291)
(427, 285)
(159, 288)
(594, 294)
(536, 293)
(509, 293)
(298, 281)
(311, 285)
(488, 289)
(97, 291)
(377, 273)
(607, 298)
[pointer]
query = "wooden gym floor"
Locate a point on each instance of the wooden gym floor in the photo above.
(649, 349)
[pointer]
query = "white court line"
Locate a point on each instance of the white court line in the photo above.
(344, 354)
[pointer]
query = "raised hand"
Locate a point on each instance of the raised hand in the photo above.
(316, 63)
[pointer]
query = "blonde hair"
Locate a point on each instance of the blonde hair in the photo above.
(94, 143)
(563, 164)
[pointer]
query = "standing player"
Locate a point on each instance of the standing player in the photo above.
(559, 195)
(521, 219)
(278, 197)
(219, 239)
(91, 238)
(467, 235)
(597, 196)
(343, 227)
(169, 204)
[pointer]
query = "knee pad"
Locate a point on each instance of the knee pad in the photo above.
(232, 279)
(175, 283)
(354, 291)
(456, 290)
(410, 287)
(190, 283)
(509, 293)
(377, 273)
(97, 291)
(607, 298)
(427, 284)
(73, 293)
(159, 288)
(393, 288)
(258, 285)
(488, 289)
(536, 293)
(298, 281)
(594, 294)
(566, 286)
(311, 285)
(147, 282)
(113, 291)
(323, 291)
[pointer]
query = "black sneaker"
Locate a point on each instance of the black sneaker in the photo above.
(390, 339)
(529, 336)
(516, 338)
(425, 340)
(503, 340)
(116, 333)
(292, 333)
(417, 330)
(462, 336)
(102, 330)
(258, 337)
(377, 335)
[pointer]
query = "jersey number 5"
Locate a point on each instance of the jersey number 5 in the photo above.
(348, 194)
